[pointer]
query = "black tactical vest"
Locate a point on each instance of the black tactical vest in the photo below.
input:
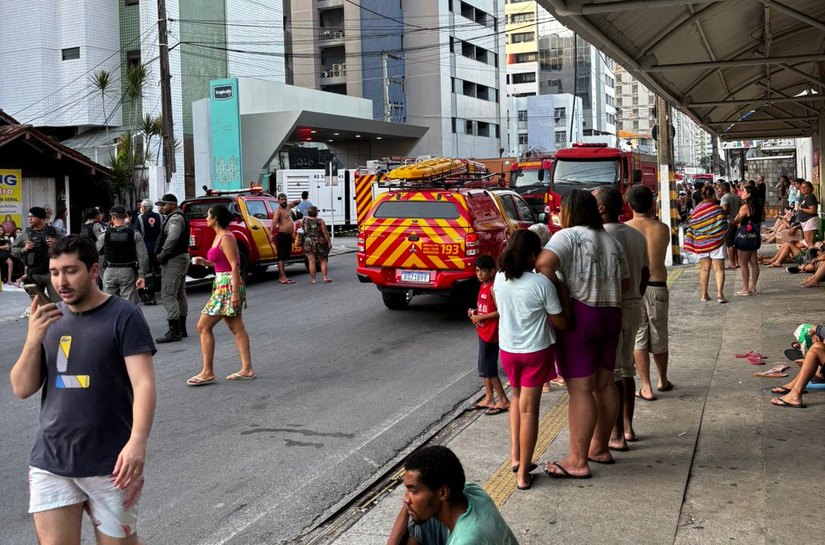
(119, 247)
(37, 260)
(182, 245)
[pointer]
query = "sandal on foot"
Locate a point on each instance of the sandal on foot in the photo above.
(492, 411)
(666, 388)
(779, 402)
(564, 473)
(527, 486)
(198, 381)
(640, 396)
(533, 467)
(742, 293)
(238, 376)
(781, 390)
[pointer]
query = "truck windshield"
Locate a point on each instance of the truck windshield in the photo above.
(571, 174)
(529, 181)
(440, 210)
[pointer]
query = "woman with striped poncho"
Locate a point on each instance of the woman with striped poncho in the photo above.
(705, 236)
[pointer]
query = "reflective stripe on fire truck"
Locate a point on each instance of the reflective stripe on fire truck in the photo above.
(363, 196)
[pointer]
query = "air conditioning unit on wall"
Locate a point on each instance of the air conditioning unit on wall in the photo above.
(339, 34)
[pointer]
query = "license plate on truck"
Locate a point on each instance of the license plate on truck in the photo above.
(417, 277)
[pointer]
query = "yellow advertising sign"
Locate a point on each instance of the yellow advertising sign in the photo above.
(11, 196)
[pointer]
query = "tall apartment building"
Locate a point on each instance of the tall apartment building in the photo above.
(437, 64)
(540, 61)
(635, 117)
(52, 47)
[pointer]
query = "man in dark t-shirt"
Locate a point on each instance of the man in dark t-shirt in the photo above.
(91, 355)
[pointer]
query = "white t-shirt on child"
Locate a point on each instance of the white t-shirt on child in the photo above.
(523, 305)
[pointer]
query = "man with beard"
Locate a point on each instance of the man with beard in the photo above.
(91, 356)
(283, 228)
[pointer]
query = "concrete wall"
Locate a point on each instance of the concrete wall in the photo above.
(39, 86)
(258, 96)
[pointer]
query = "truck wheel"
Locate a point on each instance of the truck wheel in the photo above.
(397, 300)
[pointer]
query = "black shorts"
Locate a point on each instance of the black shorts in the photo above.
(283, 245)
(487, 359)
(730, 237)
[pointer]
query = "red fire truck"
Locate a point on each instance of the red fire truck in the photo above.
(588, 166)
(530, 178)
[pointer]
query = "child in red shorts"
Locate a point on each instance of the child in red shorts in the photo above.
(485, 318)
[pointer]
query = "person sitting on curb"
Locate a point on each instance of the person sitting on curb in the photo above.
(438, 503)
(791, 393)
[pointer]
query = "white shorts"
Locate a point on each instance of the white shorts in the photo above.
(718, 253)
(811, 224)
(114, 512)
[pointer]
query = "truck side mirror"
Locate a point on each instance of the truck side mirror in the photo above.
(543, 217)
(541, 174)
(519, 173)
(637, 175)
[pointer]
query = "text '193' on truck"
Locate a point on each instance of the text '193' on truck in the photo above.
(543, 181)
(430, 223)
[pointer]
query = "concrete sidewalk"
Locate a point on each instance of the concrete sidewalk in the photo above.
(715, 461)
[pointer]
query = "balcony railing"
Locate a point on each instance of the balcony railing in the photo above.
(331, 35)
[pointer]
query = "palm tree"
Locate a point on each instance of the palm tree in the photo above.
(101, 80)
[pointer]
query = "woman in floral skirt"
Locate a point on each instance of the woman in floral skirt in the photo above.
(316, 242)
(227, 300)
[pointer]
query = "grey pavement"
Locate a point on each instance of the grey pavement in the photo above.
(715, 462)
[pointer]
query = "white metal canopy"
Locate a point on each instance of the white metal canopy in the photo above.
(740, 68)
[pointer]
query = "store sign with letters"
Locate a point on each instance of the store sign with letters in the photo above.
(11, 196)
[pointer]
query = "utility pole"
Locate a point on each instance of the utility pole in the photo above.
(667, 178)
(167, 135)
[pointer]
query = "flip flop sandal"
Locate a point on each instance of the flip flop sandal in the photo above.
(750, 354)
(492, 411)
(779, 402)
(533, 467)
(564, 473)
(197, 381)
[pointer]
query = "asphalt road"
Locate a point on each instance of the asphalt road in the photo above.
(343, 386)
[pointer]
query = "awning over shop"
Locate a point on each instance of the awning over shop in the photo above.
(740, 68)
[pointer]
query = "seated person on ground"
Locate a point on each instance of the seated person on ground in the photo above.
(436, 491)
(786, 252)
(814, 351)
(780, 228)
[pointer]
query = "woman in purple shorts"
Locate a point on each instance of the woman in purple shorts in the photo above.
(594, 268)
(525, 300)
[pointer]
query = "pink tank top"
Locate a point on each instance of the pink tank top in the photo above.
(215, 255)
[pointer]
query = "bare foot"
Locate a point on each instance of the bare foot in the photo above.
(630, 436)
(614, 444)
(502, 406)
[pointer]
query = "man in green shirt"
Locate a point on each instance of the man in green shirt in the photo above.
(436, 489)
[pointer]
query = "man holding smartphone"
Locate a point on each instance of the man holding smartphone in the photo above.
(91, 356)
(32, 247)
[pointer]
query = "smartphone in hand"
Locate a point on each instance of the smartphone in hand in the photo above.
(34, 291)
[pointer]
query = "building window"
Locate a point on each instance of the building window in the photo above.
(468, 127)
(71, 53)
(483, 129)
(522, 37)
(636, 124)
(560, 113)
(561, 137)
(522, 115)
(133, 58)
(524, 77)
(453, 124)
(522, 18)
(132, 2)
(526, 57)
(522, 139)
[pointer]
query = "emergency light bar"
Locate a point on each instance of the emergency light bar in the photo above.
(254, 189)
(594, 145)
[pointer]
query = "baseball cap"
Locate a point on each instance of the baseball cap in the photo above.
(38, 212)
(167, 199)
(119, 211)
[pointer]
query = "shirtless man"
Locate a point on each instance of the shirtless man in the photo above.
(282, 229)
(652, 335)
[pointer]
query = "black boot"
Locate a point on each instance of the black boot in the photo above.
(182, 327)
(171, 336)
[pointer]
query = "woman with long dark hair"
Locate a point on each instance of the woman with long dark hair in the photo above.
(525, 301)
(595, 271)
(227, 300)
(750, 218)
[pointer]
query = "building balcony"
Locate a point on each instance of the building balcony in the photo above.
(330, 4)
(334, 75)
(333, 36)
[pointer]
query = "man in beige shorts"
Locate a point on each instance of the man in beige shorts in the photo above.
(652, 334)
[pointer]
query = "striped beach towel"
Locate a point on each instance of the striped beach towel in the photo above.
(707, 228)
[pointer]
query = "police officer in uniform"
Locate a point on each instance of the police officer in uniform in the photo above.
(125, 256)
(172, 249)
(32, 247)
(148, 223)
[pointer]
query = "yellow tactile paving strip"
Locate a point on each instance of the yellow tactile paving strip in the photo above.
(502, 483)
